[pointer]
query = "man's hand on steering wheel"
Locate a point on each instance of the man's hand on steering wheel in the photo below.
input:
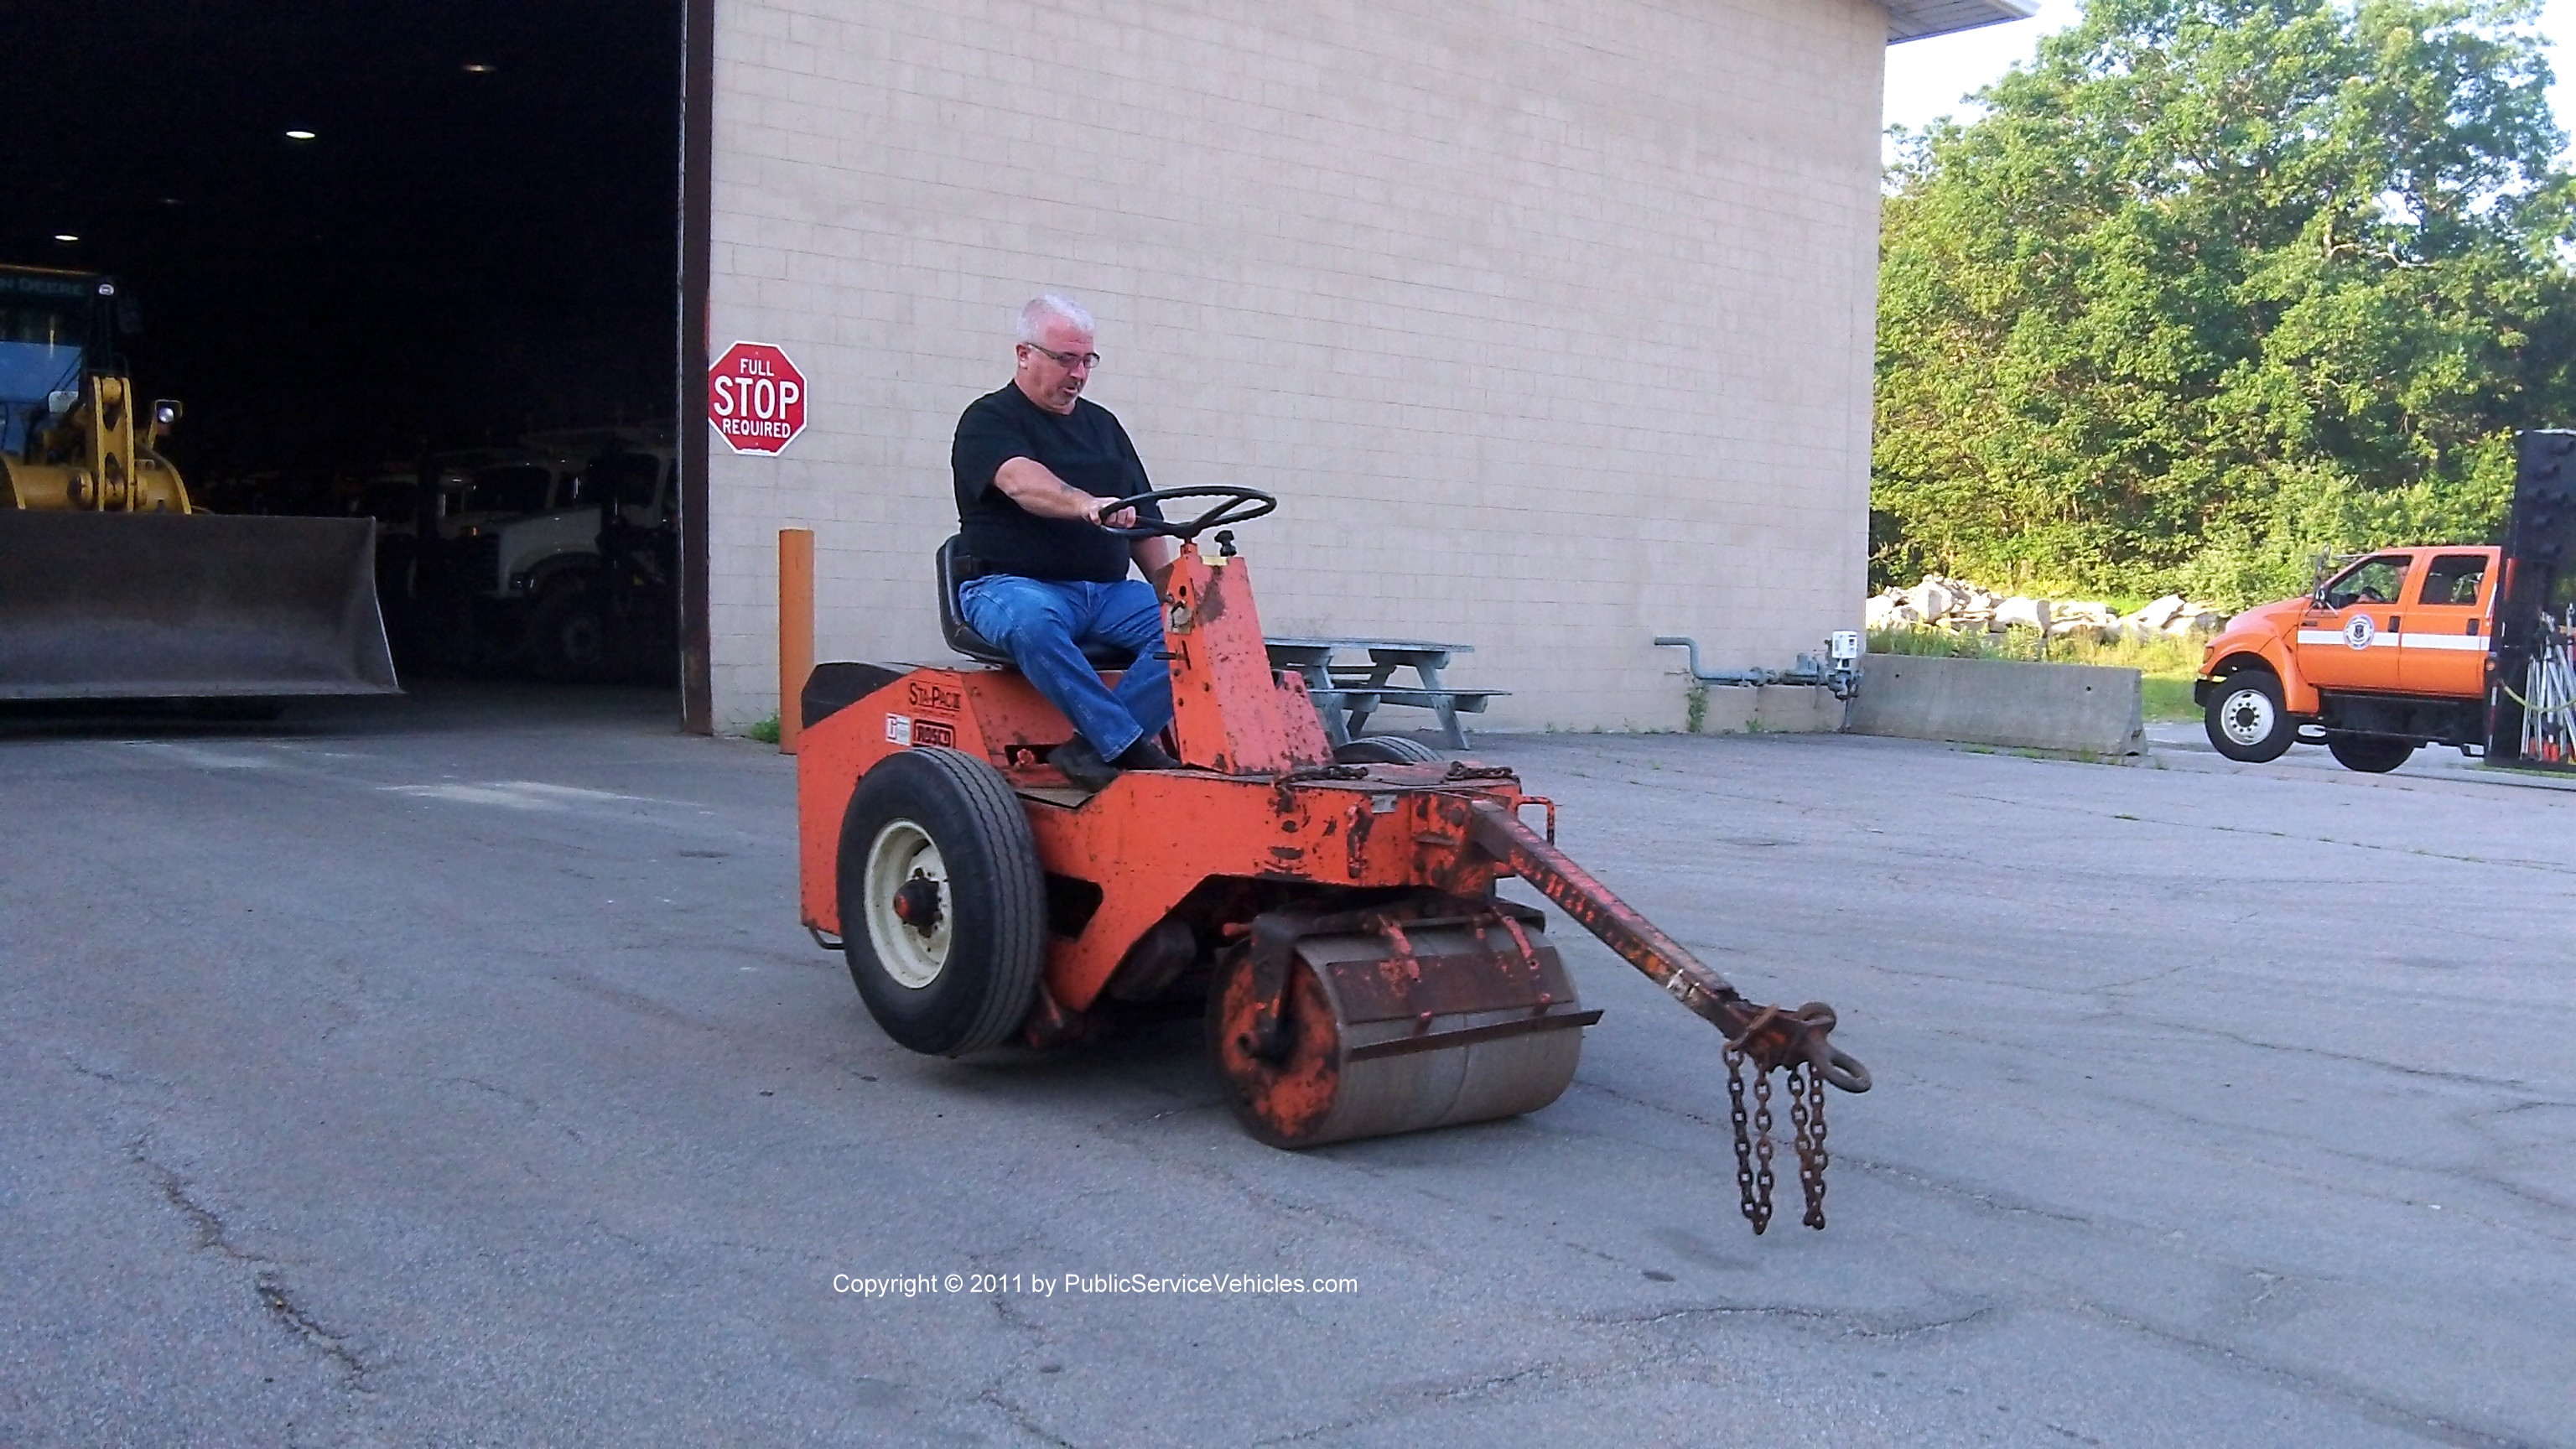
(1235, 505)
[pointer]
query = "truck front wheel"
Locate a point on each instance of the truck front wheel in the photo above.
(2370, 754)
(2246, 720)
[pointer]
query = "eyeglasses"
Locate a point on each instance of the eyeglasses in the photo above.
(1066, 360)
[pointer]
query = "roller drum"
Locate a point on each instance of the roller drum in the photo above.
(1467, 1026)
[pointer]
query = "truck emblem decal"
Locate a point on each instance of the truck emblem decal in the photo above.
(2358, 631)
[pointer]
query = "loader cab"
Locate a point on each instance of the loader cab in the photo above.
(51, 325)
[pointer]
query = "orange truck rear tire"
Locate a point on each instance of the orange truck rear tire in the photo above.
(2370, 754)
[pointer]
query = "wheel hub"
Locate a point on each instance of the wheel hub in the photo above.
(2247, 717)
(908, 920)
(916, 904)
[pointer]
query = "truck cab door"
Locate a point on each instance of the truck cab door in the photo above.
(2348, 634)
(2444, 647)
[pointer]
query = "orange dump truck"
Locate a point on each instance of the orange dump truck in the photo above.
(2467, 645)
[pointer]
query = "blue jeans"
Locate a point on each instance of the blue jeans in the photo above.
(1043, 624)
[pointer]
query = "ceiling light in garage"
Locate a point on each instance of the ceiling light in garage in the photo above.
(299, 135)
(65, 236)
(477, 67)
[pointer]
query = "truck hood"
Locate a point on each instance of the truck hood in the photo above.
(2250, 630)
(2269, 618)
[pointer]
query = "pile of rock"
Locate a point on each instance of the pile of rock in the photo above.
(1962, 607)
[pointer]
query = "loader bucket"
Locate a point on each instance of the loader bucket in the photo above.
(188, 606)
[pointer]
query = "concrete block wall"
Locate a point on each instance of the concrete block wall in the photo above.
(1549, 320)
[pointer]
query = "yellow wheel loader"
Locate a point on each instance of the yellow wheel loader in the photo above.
(112, 586)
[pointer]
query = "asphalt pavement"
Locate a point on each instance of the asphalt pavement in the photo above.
(455, 1071)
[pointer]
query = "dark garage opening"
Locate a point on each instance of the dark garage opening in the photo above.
(417, 262)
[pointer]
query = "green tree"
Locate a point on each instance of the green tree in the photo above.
(2213, 284)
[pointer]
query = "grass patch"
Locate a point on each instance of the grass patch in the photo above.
(2168, 696)
(2168, 664)
(765, 732)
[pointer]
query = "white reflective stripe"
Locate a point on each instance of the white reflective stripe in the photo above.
(2465, 642)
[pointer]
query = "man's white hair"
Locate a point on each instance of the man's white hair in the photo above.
(1034, 316)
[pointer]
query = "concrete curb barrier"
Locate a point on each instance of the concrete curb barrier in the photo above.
(2084, 709)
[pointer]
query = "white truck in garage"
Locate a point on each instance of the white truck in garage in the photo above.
(587, 585)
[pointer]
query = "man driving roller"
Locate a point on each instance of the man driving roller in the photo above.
(1036, 466)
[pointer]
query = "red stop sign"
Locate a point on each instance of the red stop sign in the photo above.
(756, 398)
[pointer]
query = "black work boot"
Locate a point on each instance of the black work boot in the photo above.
(1082, 764)
(1145, 754)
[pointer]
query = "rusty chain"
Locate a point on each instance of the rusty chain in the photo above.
(1762, 1178)
(1757, 1209)
(1807, 1118)
(1754, 1178)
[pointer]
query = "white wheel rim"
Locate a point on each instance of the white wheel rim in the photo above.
(2247, 716)
(901, 852)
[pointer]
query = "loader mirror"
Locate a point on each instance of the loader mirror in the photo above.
(61, 400)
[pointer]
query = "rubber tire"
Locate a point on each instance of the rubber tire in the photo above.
(2273, 746)
(559, 626)
(1386, 750)
(996, 892)
(2369, 754)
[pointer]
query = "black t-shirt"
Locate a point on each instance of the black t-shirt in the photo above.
(1086, 448)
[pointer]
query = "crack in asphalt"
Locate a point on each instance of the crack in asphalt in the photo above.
(634, 1001)
(530, 1104)
(209, 1224)
(1915, 1177)
(283, 1307)
(2385, 1412)
(1853, 1325)
(214, 1235)
(1397, 1402)
(2354, 1058)
(1023, 1419)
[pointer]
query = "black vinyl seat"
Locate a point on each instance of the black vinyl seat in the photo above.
(956, 566)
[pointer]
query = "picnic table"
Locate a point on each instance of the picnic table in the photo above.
(1346, 692)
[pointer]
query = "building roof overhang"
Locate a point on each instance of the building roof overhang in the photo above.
(1915, 19)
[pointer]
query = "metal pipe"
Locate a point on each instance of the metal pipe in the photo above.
(1841, 677)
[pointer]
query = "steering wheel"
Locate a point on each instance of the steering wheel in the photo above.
(1240, 505)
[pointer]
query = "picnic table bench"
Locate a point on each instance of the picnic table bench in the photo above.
(1346, 692)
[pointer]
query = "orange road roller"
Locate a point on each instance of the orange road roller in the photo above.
(1334, 911)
